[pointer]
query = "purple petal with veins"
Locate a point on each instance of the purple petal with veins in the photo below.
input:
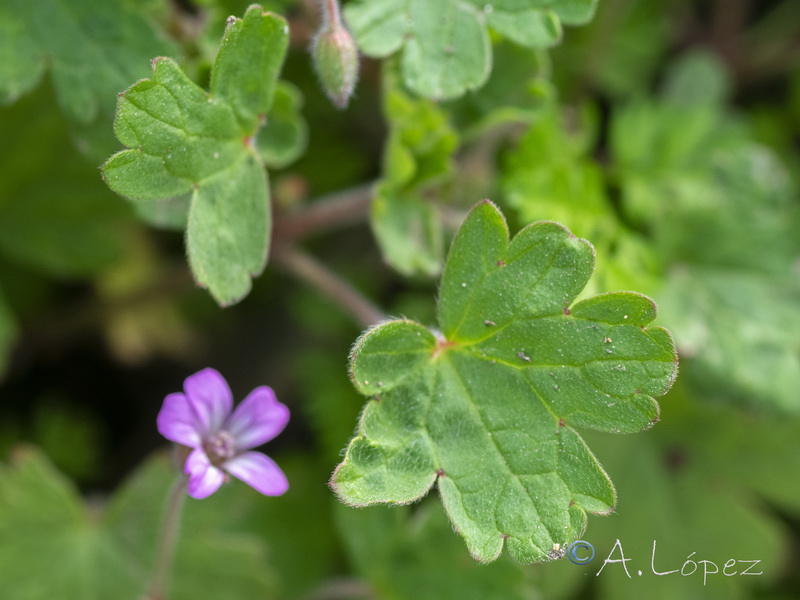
(258, 419)
(204, 478)
(201, 419)
(211, 398)
(177, 421)
(259, 472)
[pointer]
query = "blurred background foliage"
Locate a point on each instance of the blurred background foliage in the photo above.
(666, 132)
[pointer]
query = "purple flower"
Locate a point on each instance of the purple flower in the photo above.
(201, 419)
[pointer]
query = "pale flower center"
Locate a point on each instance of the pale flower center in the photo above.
(220, 447)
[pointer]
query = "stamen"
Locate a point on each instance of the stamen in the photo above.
(220, 447)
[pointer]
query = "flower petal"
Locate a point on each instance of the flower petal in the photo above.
(177, 421)
(258, 419)
(258, 471)
(204, 478)
(211, 399)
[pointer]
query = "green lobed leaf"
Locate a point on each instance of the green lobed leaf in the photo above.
(487, 408)
(182, 140)
(446, 50)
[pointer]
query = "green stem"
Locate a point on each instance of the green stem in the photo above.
(168, 540)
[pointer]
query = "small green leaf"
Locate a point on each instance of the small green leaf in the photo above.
(409, 232)
(284, 137)
(487, 408)
(182, 140)
(697, 79)
(178, 135)
(445, 44)
(572, 12)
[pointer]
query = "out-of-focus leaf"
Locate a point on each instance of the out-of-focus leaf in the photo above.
(722, 215)
(446, 50)
(299, 528)
(548, 176)
(237, 543)
(216, 555)
(740, 332)
(59, 550)
(21, 58)
(418, 155)
(696, 79)
(620, 51)
(486, 409)
(689, 492)
(415, 555)
(65, 223)
(94, 49)
(64, 550)
(515, 92)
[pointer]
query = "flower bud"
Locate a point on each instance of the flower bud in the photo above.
(335, 58)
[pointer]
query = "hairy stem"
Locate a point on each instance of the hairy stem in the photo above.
(157, 588)
(331, 13)
(306, 267)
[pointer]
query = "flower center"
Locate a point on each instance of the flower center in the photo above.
(220, 447)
